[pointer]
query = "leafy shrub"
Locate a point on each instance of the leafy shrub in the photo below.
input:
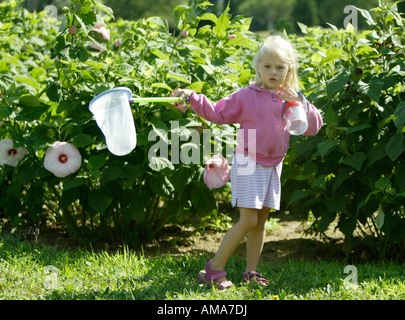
(48, 78)
(354, 169)
(352, 172)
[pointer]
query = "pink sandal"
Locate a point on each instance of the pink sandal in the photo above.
(254, 277)
(209, 277)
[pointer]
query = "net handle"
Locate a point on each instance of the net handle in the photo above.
(155, 99)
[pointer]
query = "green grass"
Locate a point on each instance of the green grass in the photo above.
(32, 272)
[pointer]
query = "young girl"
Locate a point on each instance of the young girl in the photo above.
(257, 107)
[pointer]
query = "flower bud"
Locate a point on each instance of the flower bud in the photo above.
(73, 30)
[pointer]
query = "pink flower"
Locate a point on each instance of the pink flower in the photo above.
(99, 27)
(117, 43)
(97, 47)
(232, 36)
(10, 155)
(217, 172)
(184, 33)
(62, 159)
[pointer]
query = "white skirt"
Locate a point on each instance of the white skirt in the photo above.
(254, 185)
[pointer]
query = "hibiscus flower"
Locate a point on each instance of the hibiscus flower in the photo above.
(99, 27)
(217, 172)
(62, 159)
(10, 155)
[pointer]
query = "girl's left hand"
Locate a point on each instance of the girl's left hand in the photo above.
(288, 94)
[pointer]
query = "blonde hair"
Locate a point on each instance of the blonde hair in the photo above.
(285, 51)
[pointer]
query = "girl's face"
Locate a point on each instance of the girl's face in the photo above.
(273, 71)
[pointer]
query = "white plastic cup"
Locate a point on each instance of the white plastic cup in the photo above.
(296, 118)
(113, 115)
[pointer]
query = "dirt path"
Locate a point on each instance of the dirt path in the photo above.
(287, 242)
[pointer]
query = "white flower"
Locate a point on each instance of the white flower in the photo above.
(10, 155)
(217, 172)
(62, 159)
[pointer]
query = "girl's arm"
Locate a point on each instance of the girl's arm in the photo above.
(227, 110)
(315, 121)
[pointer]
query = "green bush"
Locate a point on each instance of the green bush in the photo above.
(353, 171)
(47, 79)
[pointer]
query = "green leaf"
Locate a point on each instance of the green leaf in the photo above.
(382, 183)
(326, 146)
(297, 195)
(372, 89)
(106, 9)
(326, 219)
(73, 183)
(320, 182)
(222, 23)
(28, 81)
(203, 199)
(28, 100)
(100, 200)
(178, 77)
(399, 116)
(344, 173)
(399, 176)
(208, 16)
(337, 84)
(82, 140)
(182, 177)
(97, 161)
(395, 146)
(160, 163)
(331, 118)
(377, 153)
(303, 27)
(359, 128)
(347, 226)
(160, 54)
(113, 173)
(367, 16)
(161, 185)
(5, 112)
(37, 72)
(379, 220)
(198, 86)
(355, 160)
(331, 55)
(162, 86)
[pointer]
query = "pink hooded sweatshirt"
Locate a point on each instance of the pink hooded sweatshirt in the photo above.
(259, 109)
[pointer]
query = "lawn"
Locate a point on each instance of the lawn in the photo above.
(34, 272)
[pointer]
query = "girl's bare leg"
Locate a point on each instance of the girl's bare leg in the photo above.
(247, 222)
(255, 240)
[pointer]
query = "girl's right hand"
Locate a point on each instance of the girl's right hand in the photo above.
(183, 94)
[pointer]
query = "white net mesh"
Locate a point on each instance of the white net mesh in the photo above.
(113, 115)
